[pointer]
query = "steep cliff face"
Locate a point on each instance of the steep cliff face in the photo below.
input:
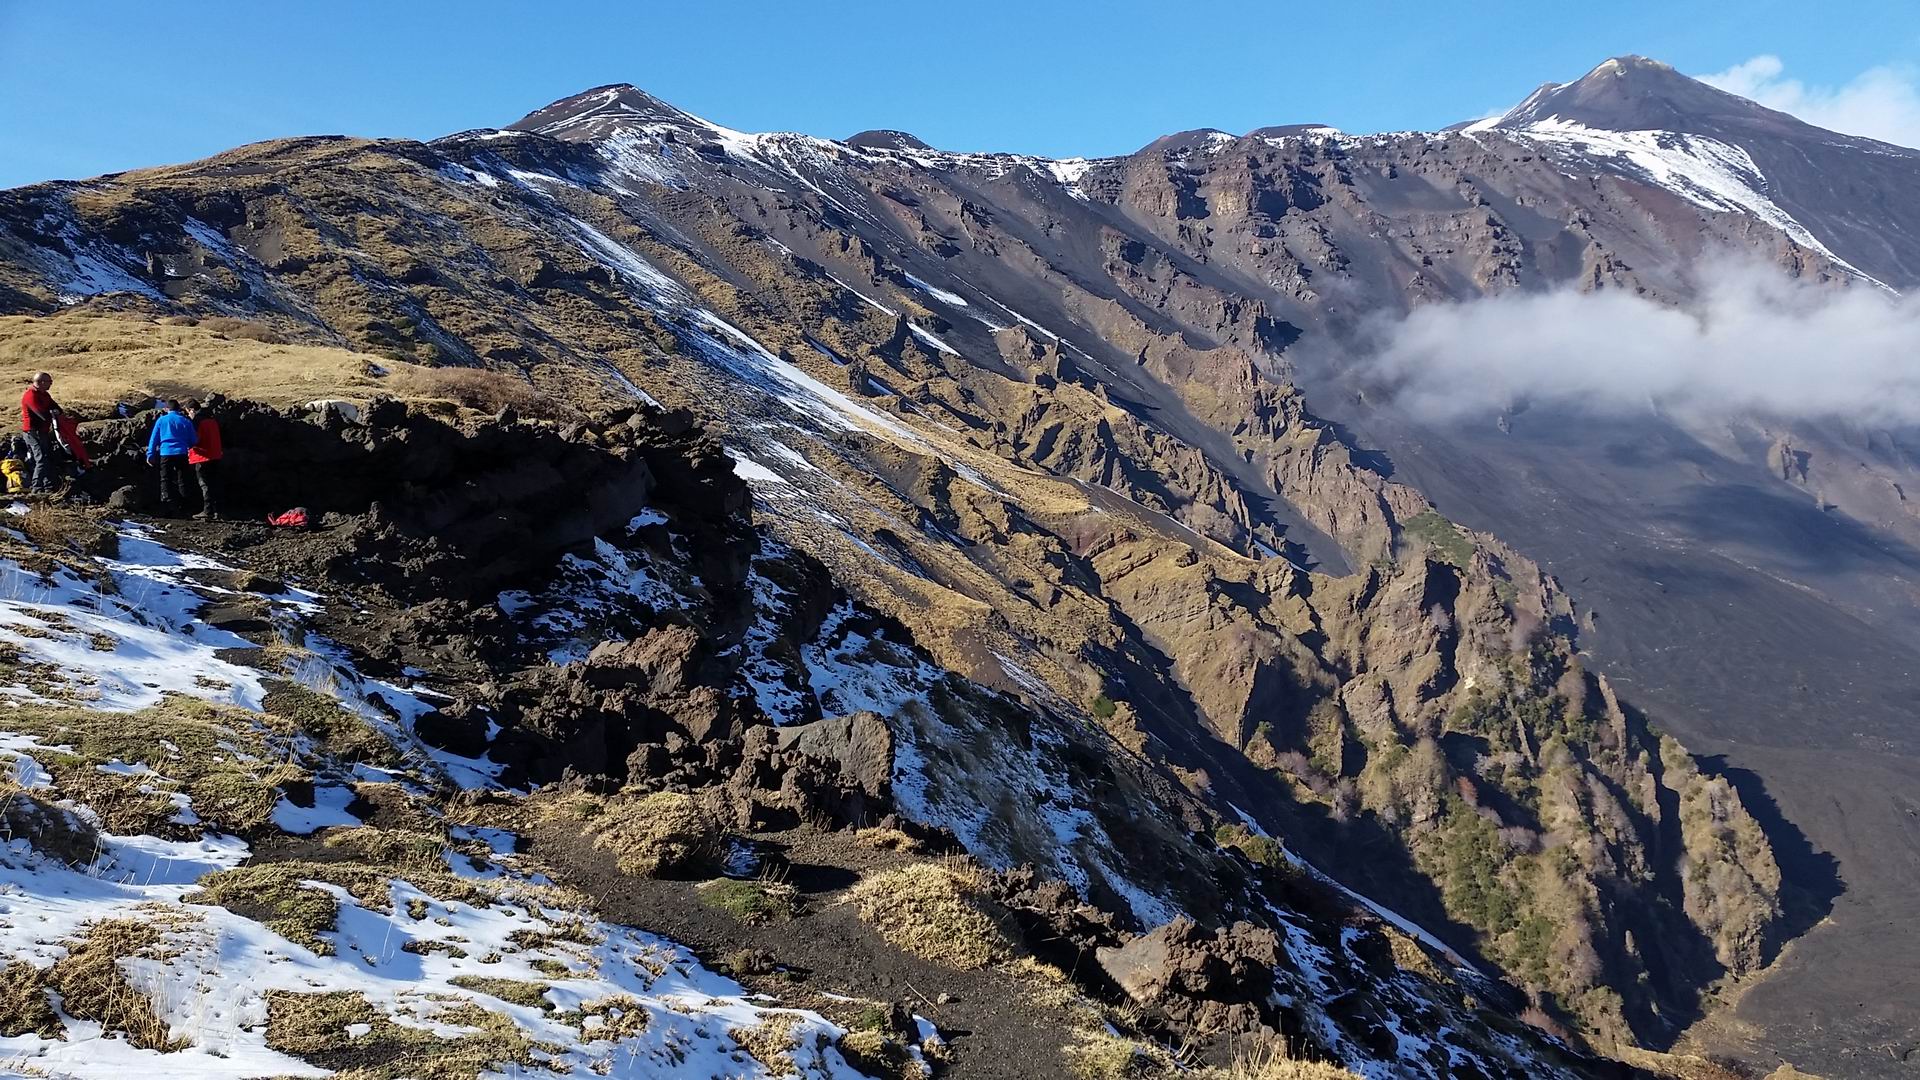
(1036, 411)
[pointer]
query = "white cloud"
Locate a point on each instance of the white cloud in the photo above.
(1881, 103)
(1754, 341)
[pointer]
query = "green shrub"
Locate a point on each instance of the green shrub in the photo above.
(1442, 536)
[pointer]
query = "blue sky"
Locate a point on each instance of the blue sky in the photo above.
(88, 86)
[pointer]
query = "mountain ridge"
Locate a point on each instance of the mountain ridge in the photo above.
(1043, 415)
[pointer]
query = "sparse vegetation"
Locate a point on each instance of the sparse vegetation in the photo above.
(70, 529)
(275, 895)
(937, 911)
(92, 986)
(1101, 1055)
(1442, 536)
(771, 1043)
(1264, 850)
(1102, 707)
(752, 902)
(885, 839)
(874, 1053)
(400, 849)
(664, 834)
(24, 1006)
(487, 390)
(223, 759)
(320, 1028)
(531, 995)
(338, 730)
(615, 1017)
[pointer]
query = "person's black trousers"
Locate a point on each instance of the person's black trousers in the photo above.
(175, 496)
(42, 468)
(208, 473)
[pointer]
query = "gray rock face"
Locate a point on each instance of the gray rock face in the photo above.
(860, 744)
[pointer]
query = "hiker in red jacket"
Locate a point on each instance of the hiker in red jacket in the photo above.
(38, 411)
(205, 457)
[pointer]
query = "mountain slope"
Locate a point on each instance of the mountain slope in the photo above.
(676, 698)
(1036, 410)
(1844, 189)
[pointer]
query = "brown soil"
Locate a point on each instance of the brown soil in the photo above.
(996, 1030)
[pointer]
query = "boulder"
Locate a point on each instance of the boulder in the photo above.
(1209, 982)
(860, 745)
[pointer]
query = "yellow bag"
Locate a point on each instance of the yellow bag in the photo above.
(16, 474)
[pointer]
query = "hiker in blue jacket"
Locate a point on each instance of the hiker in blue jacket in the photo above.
(173, 435)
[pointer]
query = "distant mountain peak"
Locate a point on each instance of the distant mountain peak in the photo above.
(886, 139)
(1635, 93)
(592, 113)
(1181, 142)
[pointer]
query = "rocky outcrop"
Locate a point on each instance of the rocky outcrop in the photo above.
(1211, 983)
(426, 506)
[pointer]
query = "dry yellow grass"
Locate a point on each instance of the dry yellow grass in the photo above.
(97, 360)
(92, 986)
(885, 839)
(936, 911)
(662, 834)
(771, 1043)
(1273, 1059)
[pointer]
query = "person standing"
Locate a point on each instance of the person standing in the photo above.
(173, 436)
(38, 411)
(205, 457)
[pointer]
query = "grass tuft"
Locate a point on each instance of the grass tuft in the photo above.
(771, 1043)
(92, 986)
(532, 995)
(885, 839)
(755, 903)
(275, 895)
(664, 834)
(937, 911)
(65, 528)
(315, 1028)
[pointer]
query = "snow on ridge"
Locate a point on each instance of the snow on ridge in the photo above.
(89, 266)
(938, 293)
(1711, 174)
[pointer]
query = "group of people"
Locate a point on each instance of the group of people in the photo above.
(185, 440)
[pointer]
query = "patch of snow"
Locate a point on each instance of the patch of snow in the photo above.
(937, 293)
(211, 980)
(1068, 173)
(123, 650)
(928, 338)
(328, 810)
(1709, 173)
(788, 454)
(29, 774)
(753, 472)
